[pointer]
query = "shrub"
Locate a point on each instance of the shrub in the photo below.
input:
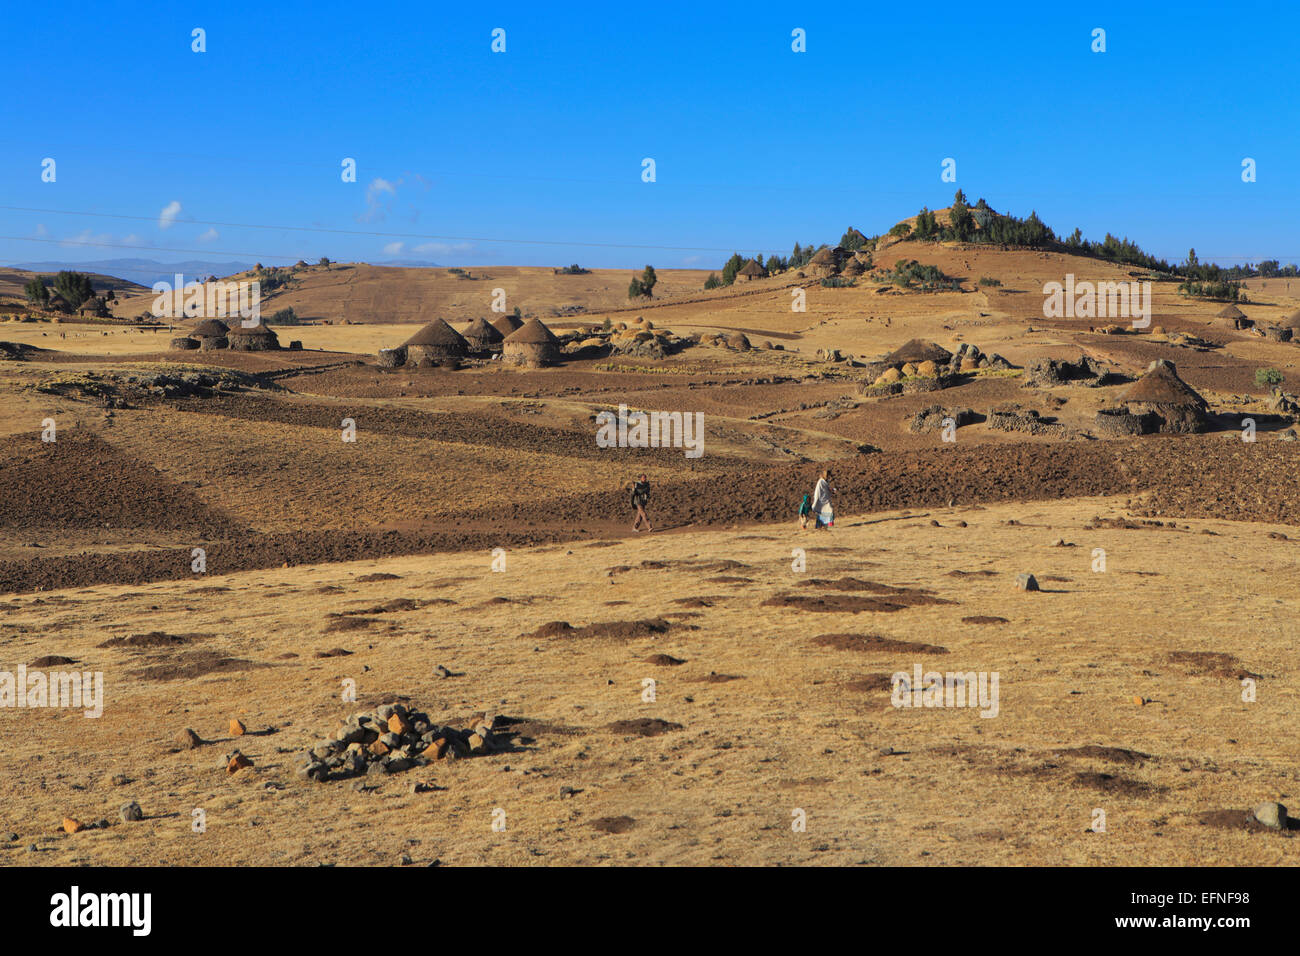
(838, 282)
(1268, 376)
(989, 281)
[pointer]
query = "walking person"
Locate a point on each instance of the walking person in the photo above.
(805, 512)
(641, 501)
(821, 503)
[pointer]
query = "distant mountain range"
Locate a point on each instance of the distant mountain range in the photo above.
(144, 271)
(148, 271)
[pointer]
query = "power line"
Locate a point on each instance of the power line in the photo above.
(371, 234)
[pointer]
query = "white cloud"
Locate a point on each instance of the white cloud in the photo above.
(394, 248)
(211, 235)
(41, 231)
(169, 214)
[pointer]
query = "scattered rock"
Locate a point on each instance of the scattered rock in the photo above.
(237, 728)
(72, 826)
(1272, 815)
(1026, 582)
(237, 762)
(189, 740)
(131, 812)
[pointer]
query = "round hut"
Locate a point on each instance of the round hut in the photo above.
(94, 306)
(753, 269)
(184, 343)
(212, 334)
(823, 262)
(917, 351)
(483, 337)
(531, 344)
(506, 324)
(435, 344)
(1234, 317)
(257, 339)
(1160, 391)
(1292, 321)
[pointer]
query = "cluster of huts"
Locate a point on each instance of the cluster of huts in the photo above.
(1287, 329)
(214, 334)
(510, 339)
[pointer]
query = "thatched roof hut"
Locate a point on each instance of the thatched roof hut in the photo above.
(753, 269)
(506, 324)
(483, 337)
(918, 351)
(257, 339)
(93, 306)
(853, 268)
(1234, 316)
(531, 344)
(1291, 320)
(1160, 390)
(211, 334)
(824, 261)
(435, 344)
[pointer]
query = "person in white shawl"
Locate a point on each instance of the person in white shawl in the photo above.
(821, 500)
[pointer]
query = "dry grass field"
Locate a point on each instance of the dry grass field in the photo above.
(330, 560)
(756, 712)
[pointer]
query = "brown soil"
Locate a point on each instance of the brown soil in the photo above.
(874, 643)
(1211, 664)
(643, 727)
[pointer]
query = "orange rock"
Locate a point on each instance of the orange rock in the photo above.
(398, 725)
(72, 826)
(237, 762)
(1139, 701)
(437, 749)
(378, 748)
(237, 728)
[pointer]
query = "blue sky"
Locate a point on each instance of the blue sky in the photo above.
(459, 148)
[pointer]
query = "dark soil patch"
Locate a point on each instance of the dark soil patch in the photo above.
(52, 660)
(984, 619)
(1211, 664)
(378, 576)
(613, 824)
(342, 622)
(643, 727)
(869, 643)
(847, 604)
(1115, 784)
(610, 630)
(194, 664)
(971, 574)
(329, 589)
(1112, 754)
(696, 601)
(870, 684)
(715, 678)
(154, 639)
(390, 607)
(664, 660)
(334, 652)
(728, 579)
(210, 589)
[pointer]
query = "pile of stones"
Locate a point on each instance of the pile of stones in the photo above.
(1013, 418)
(968, 359)
(1050, 373)
(392, 739)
